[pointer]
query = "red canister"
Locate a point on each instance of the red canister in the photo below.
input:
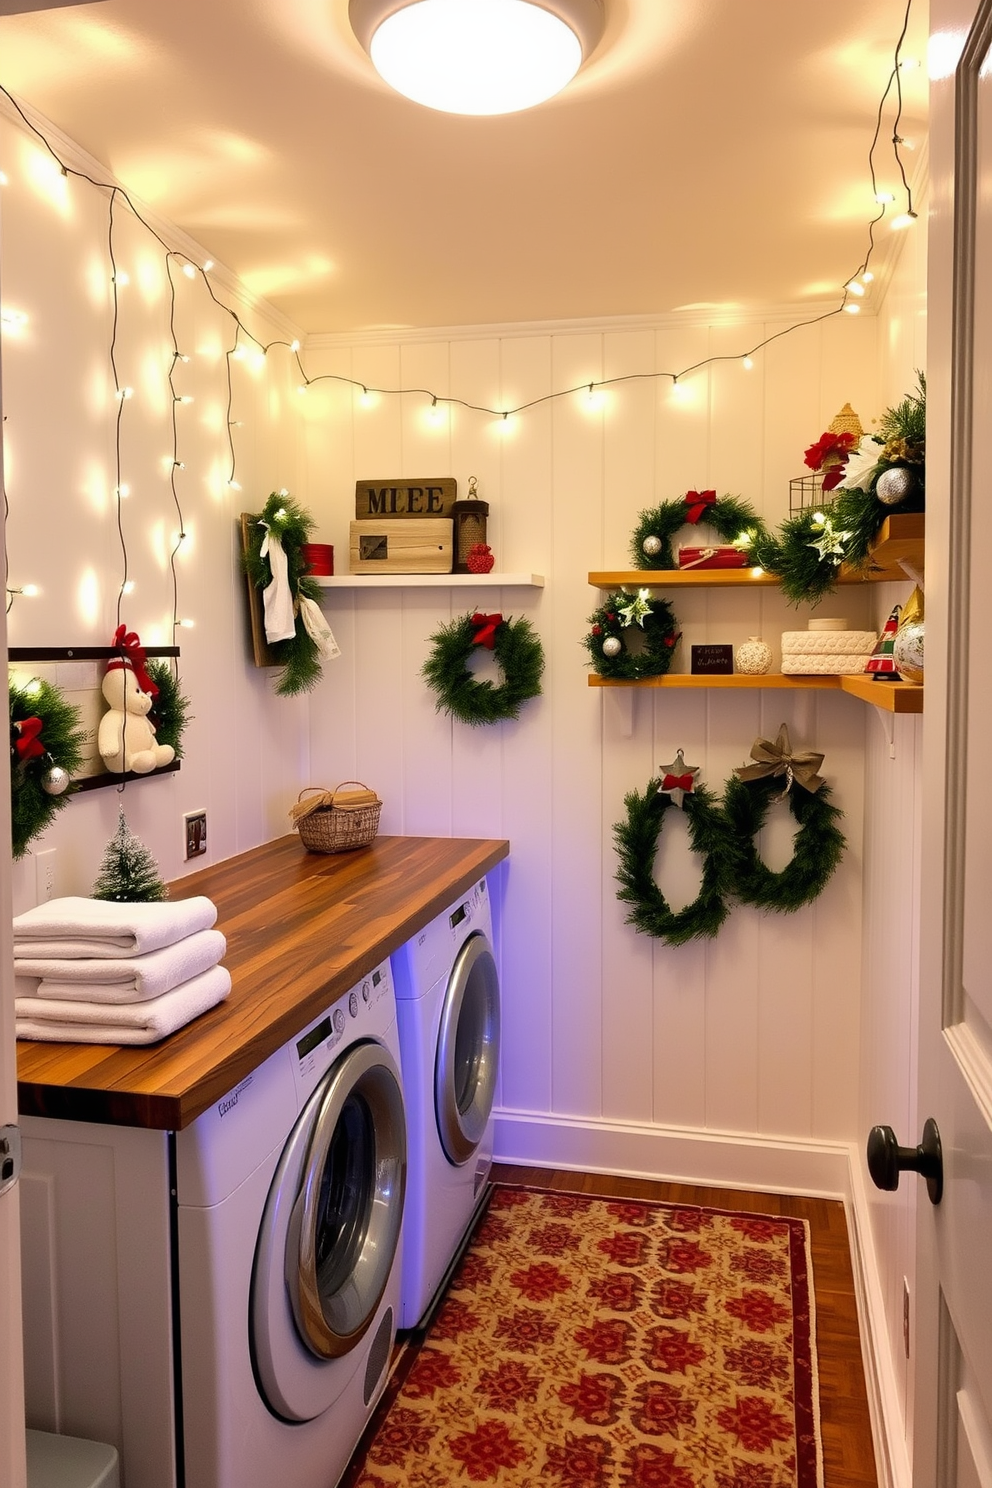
(319, 558)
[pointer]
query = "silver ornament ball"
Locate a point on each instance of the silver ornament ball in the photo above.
(895, 486)
(55, 781)
(612, 646)
(651, 546)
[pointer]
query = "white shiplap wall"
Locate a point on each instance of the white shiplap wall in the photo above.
(756, 1032)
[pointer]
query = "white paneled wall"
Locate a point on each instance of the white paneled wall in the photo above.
(245, 750)
(756, 1032)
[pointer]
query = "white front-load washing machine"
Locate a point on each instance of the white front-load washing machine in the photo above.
(448, 1009)
(290, 1201)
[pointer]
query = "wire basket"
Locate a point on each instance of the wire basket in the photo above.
(338, 820)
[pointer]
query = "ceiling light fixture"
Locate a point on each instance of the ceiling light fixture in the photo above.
(477, 56)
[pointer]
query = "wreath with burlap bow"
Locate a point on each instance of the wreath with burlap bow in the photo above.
(734, 519)
(722, 832)
(519, 655)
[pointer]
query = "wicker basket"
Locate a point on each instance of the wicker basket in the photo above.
(338, 820)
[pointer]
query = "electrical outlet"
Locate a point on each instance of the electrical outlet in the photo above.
(905, 1314)
(44, 867)
(195, 833)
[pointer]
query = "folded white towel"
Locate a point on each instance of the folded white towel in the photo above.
(130, 1023)
(71, 929)
(129, 978)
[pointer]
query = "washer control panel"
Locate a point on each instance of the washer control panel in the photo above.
(357, 1014)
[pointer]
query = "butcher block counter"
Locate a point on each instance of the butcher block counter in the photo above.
(302, 928)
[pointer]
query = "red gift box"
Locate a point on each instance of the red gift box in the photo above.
(719, 557)
(319, 558)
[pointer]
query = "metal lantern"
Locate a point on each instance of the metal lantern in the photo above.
(470, 526)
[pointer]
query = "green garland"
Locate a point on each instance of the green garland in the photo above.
(637, 845)
(805, 571)
(855, 513)
(657, 625)
(63, 740)
(170, 710)
(299, 657)
(819, 844)
(730, 516)
(518, 654)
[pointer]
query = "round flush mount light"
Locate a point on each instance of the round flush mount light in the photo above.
(477, 56)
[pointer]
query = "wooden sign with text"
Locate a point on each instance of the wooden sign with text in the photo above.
(431, 497)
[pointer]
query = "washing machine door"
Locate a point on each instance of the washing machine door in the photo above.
(467, 1058)
(329, 1233)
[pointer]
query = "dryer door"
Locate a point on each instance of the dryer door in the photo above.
(467, 1058)
(329, 1233)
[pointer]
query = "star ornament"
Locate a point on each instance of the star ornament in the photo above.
(678, 779)
(830, 543)
(634, 613)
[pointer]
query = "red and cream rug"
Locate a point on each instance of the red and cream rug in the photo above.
(599, 1343)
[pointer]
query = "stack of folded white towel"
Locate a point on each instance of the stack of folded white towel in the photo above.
(93, 971)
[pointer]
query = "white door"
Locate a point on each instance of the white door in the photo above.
(952, 1427)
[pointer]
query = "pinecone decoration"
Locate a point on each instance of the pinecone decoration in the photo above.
(480, 558)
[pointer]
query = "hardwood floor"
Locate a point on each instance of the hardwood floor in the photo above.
(849, 1458)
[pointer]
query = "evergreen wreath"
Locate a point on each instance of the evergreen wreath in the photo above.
(299, 658)
(518, 653)
(654, 619)
(170, 709)
(637, 844)
(732, 517)
(818, 848)
(45, 733)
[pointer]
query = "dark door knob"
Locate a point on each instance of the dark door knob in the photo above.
(886, 1159)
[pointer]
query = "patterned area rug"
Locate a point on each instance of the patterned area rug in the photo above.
(598, 1343)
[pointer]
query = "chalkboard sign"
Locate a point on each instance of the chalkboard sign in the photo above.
(712, 661)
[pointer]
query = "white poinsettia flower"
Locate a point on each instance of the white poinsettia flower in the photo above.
(860, 463)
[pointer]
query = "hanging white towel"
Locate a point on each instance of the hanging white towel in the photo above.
(318, 629)
(71, 928)
(126, 979)
(277, 597)
(128, 1023)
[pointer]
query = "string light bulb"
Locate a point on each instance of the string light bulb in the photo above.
(121, 277)
(853, 309)
(747, 363)
(122, 490)
(208, 265)
(884, 198)
(189, 271)
(904, 220)
(855, 288)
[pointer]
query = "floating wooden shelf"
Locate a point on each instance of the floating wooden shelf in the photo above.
(892, 697)
(432, 581)
(900, 540)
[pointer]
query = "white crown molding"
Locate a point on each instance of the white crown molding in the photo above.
(721, 315)
(77, 159)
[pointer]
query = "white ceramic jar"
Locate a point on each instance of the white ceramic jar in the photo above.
(752, 657)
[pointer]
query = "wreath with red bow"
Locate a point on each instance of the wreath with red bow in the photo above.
(731, 517)
(518, 653)
(46, 747)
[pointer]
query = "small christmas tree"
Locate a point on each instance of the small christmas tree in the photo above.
(129, 874)
(881, 663)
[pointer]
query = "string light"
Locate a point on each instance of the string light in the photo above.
(367, 395)
(13, 318)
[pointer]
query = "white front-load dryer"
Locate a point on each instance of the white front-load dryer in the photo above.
(290, 1201)
(448, 1009)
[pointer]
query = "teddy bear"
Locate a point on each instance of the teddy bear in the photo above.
(126, 740)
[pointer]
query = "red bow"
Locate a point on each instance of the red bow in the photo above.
(485, 634)
(28, 745)
(697, 502)
(132, 655)
(677, 782)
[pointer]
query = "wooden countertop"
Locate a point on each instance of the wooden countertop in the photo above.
(301, 929)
